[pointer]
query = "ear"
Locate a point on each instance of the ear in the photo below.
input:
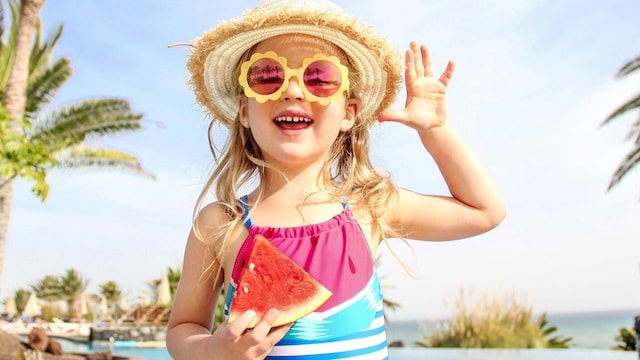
(242, 111)
(351, 114)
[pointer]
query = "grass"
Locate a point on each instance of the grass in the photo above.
(485, 320)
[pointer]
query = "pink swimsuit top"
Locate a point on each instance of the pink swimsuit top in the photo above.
(336, 253)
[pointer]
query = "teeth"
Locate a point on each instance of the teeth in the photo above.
(294, 119)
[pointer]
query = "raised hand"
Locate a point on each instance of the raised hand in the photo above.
(425, 107)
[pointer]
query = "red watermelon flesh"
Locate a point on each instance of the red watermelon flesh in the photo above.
(271, 280)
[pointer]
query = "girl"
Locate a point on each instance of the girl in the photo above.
(298, 84)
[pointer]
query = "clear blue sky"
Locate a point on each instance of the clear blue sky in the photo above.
(534, 81)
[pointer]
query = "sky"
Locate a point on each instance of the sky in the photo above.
(533, 83)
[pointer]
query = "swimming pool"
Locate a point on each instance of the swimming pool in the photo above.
(415, 353)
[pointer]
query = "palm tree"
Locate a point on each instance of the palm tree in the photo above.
(174, 278)
(72, 285)
(633, 158)
(48, 288)
(112, 292)
(15, 97)
(21, 296)
(553, 342)
(32, 143)
(173, 275)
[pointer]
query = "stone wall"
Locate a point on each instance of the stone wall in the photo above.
(129, 333)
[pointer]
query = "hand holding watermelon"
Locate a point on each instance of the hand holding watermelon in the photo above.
(271, 280)
(233, 341)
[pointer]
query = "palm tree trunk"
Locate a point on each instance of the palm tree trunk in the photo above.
(6, 192)
(14, 101)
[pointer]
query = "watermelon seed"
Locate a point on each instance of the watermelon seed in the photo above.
(252, 266)
(245, 289)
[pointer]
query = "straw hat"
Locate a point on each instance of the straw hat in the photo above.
(216, 54)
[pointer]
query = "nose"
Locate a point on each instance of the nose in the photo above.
(292, 91)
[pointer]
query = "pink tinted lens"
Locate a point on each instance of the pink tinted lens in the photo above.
(265, 76)
(322, 78)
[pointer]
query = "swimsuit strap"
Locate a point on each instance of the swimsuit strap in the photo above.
(244, 202)
(345, 203)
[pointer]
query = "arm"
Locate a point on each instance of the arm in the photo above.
(475, 205)
(189, 329)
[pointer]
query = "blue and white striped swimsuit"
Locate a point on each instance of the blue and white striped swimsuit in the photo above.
(350, 325)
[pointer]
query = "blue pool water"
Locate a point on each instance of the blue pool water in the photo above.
(412, 353)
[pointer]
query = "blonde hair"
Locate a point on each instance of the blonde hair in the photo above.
(348, 171)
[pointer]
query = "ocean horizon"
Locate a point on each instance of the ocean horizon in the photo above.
(588, 330)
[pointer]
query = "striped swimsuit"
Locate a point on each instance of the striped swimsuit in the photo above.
(350, 325)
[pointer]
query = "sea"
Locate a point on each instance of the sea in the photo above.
(593, 337)
(588, 330)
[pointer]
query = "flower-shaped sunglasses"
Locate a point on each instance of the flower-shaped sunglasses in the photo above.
(321, 78)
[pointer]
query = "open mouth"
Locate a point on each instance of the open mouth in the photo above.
(293, 122)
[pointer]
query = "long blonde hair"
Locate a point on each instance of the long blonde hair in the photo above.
(348, 171)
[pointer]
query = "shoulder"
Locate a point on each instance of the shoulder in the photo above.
(213, 214)
(211, 222)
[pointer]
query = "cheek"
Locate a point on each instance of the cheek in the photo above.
(257, 114)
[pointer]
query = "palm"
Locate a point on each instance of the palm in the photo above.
(40, 141)
(111, 291)
(632, 160)
(63, 132)
(72, 285)
(425, 107)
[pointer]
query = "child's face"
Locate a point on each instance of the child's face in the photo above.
(291, 129)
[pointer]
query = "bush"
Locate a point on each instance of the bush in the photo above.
(491, 321)
(51, 311)
(626, 340)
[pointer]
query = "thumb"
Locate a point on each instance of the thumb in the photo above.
(393, 115)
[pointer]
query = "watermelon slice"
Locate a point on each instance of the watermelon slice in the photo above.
(271, 280)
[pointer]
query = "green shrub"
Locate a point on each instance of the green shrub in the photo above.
(626, 339)
(492, 321)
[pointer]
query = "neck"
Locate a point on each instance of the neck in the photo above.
(295, 184)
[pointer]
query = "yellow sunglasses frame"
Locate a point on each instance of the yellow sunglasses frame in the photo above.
(289, 73)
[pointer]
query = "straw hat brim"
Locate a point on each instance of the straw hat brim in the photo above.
(217, 53)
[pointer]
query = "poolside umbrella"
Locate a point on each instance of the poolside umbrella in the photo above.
(164, 291)
(122, 304)
(144, 300)
(104, 308)
(32, 308)
(10, 306)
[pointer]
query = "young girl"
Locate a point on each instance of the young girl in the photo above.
(299, 83)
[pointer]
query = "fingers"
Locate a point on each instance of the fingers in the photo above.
(239, 325)
(278, 333)
(263, 327)
(418, 61)
(418, 64)
(446, 76)
(263, 336)
(256, 342)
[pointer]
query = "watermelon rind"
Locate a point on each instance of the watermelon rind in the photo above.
(267, 281)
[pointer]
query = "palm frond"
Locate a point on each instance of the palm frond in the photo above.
(44, 85)
(630, 105)
(6, 55)
(41, 52)
(72, 124)
(1, 23)
(85, 157)
(629, 67)
(630, 162)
